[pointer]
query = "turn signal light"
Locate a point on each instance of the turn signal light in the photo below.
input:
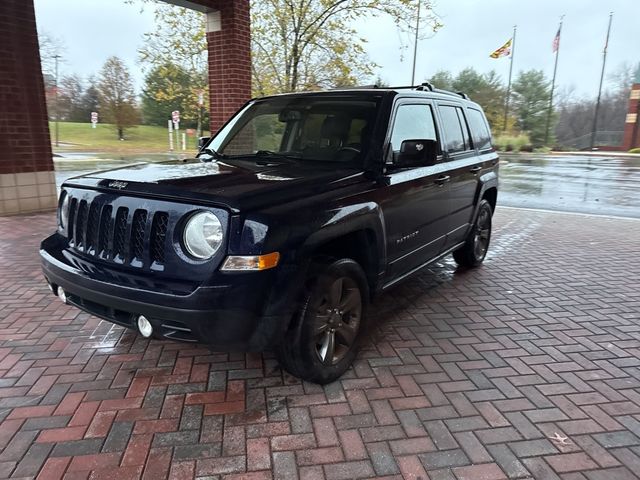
(237, 263)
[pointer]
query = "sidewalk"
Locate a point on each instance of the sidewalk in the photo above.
(527, 367)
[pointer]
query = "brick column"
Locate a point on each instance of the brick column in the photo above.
(27, 182)
(229, 40)
(631, 138)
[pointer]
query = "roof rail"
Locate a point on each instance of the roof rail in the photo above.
(426, 86)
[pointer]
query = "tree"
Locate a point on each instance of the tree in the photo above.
(50, 48)
(531, 92)
(70, 93)
(308, 44)
(90, 101)
(176, 50)
(296, 44)
(117, 99)
(575, 115)
(442, 79)
(169, 87)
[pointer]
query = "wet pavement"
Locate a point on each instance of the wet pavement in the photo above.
(572, 183)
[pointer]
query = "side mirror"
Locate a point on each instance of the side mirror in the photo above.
(202, 141)
(417, 153)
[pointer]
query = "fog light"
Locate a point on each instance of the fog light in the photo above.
(62, 295)
(144, 326)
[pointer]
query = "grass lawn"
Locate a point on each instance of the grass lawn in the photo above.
(104, 138)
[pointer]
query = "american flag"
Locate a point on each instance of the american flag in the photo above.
(556, 42)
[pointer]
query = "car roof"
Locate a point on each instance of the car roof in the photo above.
(419, 91)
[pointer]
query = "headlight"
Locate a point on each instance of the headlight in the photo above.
(203, 235)
(64, 211)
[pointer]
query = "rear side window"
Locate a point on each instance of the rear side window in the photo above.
(413, 122)
(479, 129)
(456, 137)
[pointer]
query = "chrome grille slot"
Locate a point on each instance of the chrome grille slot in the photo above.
(73, 205)
(106, 232)
(158, 235)
(81, 225)
(138, 230)
(120, 234)
(93, 226)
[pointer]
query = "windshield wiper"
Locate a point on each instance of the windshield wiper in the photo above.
(271, 153)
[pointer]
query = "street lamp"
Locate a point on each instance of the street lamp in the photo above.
(56, 57)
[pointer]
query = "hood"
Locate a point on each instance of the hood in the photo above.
(238, 185)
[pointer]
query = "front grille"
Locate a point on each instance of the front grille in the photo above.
(113, 234)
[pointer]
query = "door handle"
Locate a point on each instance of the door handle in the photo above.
(442, 179)
(475, 169)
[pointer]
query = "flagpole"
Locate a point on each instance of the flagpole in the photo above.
(553, 85)
(506, 105)
(604, 61)
(415, 46)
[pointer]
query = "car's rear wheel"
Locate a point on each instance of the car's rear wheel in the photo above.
(475, 248)
(324, 337)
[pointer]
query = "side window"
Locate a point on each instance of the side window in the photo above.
(413, 122)
(468, 144)
(454, 135)
(479, 129)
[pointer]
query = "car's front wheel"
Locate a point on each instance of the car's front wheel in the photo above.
(323, 339)
(475, 248)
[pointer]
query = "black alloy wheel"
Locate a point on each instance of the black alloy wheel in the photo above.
(476, 246)
(324, 336)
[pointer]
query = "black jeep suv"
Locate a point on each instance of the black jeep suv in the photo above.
(293, 215)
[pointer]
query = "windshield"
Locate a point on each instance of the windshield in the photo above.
(329, 129)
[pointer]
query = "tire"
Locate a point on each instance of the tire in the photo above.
(475, 248)
(324, 336)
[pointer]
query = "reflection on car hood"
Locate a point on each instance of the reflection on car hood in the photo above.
(238, 185)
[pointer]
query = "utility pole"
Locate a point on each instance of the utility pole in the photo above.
(553, 82)
(415, 46)
(506, 104)
(604, 61)
(56, 57)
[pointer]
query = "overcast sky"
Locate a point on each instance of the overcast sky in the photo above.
(92, 30)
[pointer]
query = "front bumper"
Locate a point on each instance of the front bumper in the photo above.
(236, 312)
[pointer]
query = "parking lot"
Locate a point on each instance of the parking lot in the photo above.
(525, 368)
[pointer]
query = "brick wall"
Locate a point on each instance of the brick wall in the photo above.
(631, 137)
(229, 61)
(26, 180)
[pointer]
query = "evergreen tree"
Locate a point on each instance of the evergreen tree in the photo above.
(531, 92)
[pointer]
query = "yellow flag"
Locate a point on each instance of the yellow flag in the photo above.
(503, 51)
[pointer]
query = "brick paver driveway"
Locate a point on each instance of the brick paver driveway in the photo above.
(525, 368)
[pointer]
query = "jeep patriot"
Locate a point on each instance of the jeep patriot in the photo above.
(277, 236)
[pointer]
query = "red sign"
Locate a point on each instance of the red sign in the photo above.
(175, 116)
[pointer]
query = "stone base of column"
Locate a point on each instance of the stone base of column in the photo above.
(27, 192)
